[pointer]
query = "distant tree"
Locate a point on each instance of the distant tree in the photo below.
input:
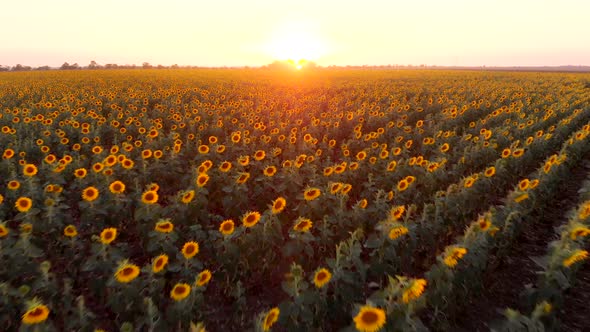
(43, 68)
(65, 66)
(2, 68)
(146, 65)
(93, 65)
(20, 67)
(174, 66)
(110, 66)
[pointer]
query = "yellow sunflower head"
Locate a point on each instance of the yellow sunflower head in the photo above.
(369, 319)
(250, 219)
(321, 277)
(180, 291)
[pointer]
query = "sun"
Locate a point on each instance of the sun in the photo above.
(297, 43)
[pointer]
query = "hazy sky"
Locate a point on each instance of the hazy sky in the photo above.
(254, 32)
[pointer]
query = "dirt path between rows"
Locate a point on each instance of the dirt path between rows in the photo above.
(503, 285)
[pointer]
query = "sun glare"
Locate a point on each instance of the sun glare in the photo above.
(296, 42)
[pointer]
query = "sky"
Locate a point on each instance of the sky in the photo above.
(257, 32)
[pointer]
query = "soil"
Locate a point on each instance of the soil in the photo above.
(504, 282)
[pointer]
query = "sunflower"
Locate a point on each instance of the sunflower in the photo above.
(3, 230)
(90, 194)
(187, 196)
(444, 148)
(242, 178)
(250, 219)
(117, 187)
(149, 197)
(547, 167)
(159, 263)
(361, 155)
(235, 137)
(335, 187)
(244, 160)
(321, 277)
(13, 185)
(110, 161)
(97, 167)
(146, 154)
(369, 319)
(328, 170)
(220, 148)
(70, 231)
(469, 182)
(302, 225)
(96, 149)
(578, 256)
(484, 223)
(225, 166)
(227, 227)
(579, 231)
(180, 291)
(203, 149)
(126, 272)
(523, 184)
(414, 291)
(8, 154)
(190, 249)
(346, 188)
(278, 205)
(259, 155)
(80, 173)
(203, 278)
(23, 204)
(506, 153)
(397, 231)
(108, 235)
(363, 203)
(402, 185)
(164, 226)
(490, 171)
(397, 212)
(30, 170)
(202, 179)
(311, 193)
(127, 163)
(391, 166)
(453, 254)
(521, 198)
(517, 153)
(269, 171)
(36, 313)
(271, 317)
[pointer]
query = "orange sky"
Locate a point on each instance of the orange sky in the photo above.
(236, 33)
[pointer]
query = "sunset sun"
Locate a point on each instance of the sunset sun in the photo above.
(296, 43)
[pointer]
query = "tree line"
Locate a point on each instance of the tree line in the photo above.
(91, 65)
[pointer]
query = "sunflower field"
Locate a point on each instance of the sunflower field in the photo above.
(253, 199)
